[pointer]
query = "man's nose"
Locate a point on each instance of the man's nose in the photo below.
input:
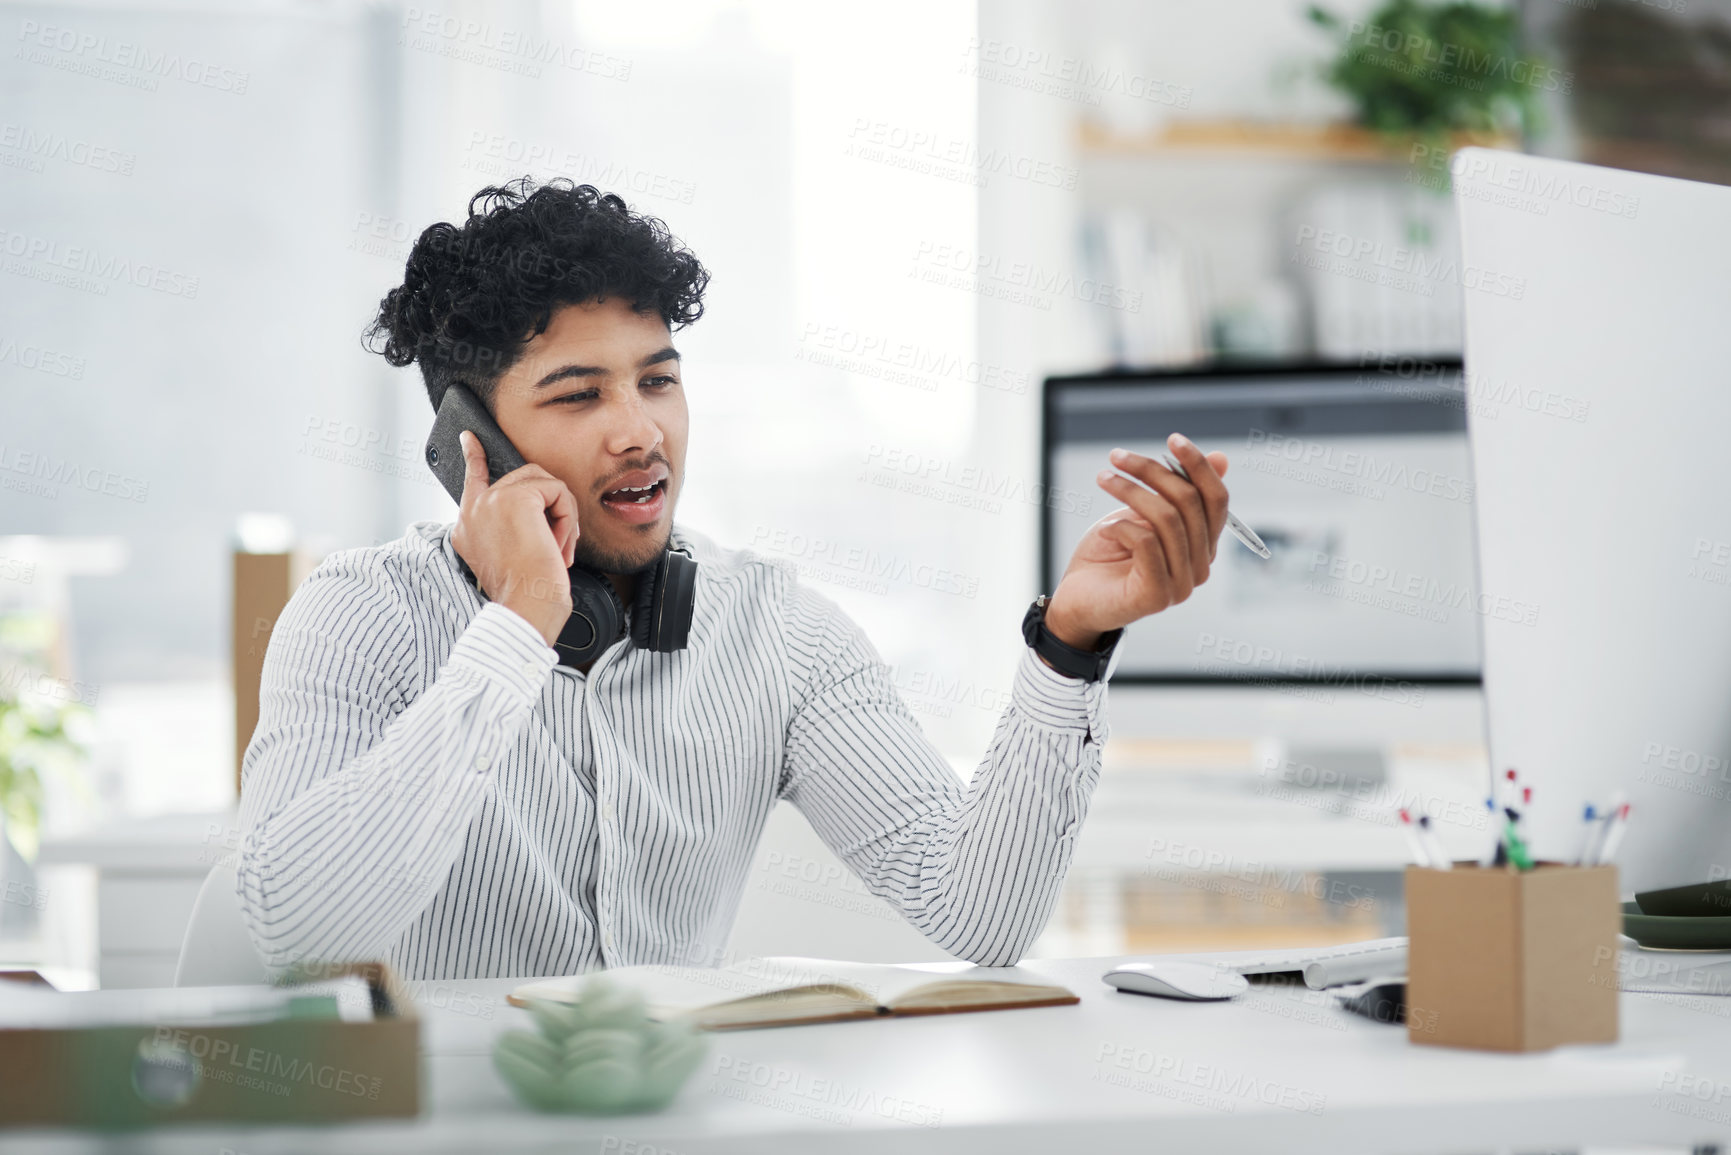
(632, 429)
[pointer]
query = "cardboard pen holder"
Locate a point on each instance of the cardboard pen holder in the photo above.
(1509, 960)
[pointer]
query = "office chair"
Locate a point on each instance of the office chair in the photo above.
(217, 951)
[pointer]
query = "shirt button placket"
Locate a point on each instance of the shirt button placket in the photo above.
(607, 831)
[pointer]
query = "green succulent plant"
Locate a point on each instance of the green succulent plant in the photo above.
(602, 1055)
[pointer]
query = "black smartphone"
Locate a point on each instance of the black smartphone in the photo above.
(460, 409)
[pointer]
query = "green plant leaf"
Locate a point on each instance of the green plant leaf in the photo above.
(1419, 69)
(1321, 16)
(38, 732)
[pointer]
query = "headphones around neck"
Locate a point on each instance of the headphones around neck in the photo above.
(661, 609)
(665, 598)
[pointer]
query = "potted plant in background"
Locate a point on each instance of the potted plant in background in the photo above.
(1430, 77)
(43, 731)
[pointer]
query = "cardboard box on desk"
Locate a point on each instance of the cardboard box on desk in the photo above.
(309, 1070)
(1508, 960)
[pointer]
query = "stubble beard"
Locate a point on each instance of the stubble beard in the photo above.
(635, 559)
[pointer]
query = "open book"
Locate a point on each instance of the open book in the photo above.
(773, 992)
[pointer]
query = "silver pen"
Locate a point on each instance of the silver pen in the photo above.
(1239, 530)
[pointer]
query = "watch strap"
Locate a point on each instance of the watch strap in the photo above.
(1088, 665)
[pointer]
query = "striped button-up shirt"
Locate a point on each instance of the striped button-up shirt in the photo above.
(428, 786)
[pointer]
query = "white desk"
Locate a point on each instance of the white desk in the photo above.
(148, 872)
(1031, 1081)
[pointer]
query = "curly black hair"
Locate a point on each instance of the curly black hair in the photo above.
(473, 297)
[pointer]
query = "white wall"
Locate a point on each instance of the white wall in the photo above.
(195, 391)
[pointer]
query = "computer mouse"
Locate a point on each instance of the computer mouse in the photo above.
(1177, 979)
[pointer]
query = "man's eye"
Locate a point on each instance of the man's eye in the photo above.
(584, 395)
(661, 382)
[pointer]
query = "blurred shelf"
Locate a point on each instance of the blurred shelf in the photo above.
(1183, 754)
(1118, 839)
(1168, 939)
(1269, 140)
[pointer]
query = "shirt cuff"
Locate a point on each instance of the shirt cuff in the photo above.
(501, 648)
(1059, 701)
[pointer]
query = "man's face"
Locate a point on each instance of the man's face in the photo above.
(597, 401)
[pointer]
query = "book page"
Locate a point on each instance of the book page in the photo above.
(896, 984)
(671, 990)
(347, 998)
(675, 990)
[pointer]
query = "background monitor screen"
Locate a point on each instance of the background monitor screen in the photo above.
(1359, 480)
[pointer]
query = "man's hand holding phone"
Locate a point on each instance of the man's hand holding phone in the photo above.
(519, 536)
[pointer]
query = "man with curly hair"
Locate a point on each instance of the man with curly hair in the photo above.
(430, 784)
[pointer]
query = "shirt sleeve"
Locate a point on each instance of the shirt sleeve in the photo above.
(357, 791)
(976, 870)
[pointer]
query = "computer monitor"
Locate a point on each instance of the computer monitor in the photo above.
(1599, 297)
(1357, 476)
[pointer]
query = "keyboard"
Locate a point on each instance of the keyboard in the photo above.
(1321, 966)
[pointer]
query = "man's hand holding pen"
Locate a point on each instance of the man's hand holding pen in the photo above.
(1147, 556)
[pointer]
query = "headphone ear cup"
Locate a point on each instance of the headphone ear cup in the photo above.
(597, 619)
(643, 603)
(662, 607)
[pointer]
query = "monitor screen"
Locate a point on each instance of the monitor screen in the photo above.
(1357, 478)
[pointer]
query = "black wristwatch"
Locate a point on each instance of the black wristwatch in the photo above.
(1089, 665)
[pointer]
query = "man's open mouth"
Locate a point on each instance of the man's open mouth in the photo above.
(634, 495)
(643, 501)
